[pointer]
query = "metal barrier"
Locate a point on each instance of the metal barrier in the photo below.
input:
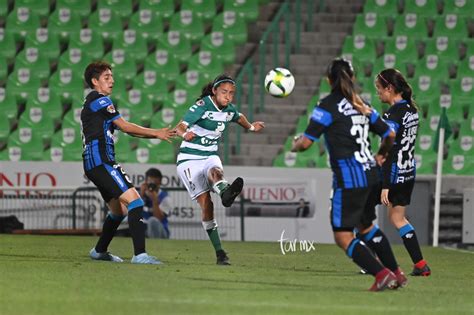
(81, 208)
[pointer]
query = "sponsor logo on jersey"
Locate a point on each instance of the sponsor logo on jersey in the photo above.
(111, 109)
(200, 103)
(346, 108)
(102, 102)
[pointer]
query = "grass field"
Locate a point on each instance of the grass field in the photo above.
(53, 275)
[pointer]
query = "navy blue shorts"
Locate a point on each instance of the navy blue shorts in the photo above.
(352, 208)
(400, 194)
(110, 179)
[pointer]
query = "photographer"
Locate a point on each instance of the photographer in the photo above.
(157, 205)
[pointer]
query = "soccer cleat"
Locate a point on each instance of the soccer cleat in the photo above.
(146, 259)
(401, 278)
(104, 256)
(421, 269)
(222, 258)
(228, 196)
(385, 279)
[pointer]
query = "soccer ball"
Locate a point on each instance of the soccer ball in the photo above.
(279, 82)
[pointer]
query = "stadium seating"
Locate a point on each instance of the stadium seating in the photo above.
(220, 46)
(360, 47)
(22, 22)
(410, 25)
(22, 83)
(152, 85)
(443, 46)
(63, 23)
(153, 151)
(45, 42)
(403, 47)
(33, 59)
(8, 104)
(150, 25)
(422, 8)
(206, 63)
(108, 22)
(232, 25)
(79, 7)
(460, 8)
(163, 8)
(7, 44)
(189, 24)
(122, 8)
(370, 25)
(37, 7)
(134, 45)
(206, 10)
(88, 42)
(164, 64)
(381, 8)
(176, 43)
(247, 10)
(192, 81)
(450, 26)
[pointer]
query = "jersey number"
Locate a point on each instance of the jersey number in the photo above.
(405, 155)
(362, 132)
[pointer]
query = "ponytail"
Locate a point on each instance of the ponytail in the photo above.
(207, 90)
(340, 74)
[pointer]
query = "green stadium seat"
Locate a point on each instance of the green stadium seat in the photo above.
(360, 47)
(45, 43)
(88, 42)
(37, 7)
(3, 69)
(444, 47)
(388, 60)
(403, 47)
(123, 8)
(206, 63)
(457, 164)
(68, 84)
(21, 22)
(5, 127)
(150, 26)
(466, 128)
(75, 59)
(460, 8)
(301, 124)
(69, 135)
(8, 104)
(324, 90)
(189, 24)
(134, 45)
(164, 63)
(462, 90)
(8, 46)
(206, 10)
(410, 25)
(123, 65)
(221, 47)
(370, 25)
(108, 22)
(63, 23)
(233, 27)
(3, 10)
(425, 137)
(25, 145)
(140, 107)
(33, 59)
(176, 43)
(303, 159)
(151, 85)
(426, 91)
(48, 102)
(79, 7)
(381, 8)
(21, 83)
(425, 163)
(421, 8)
(53, 154)
(162, 8)
(462, 146)
(165, 117)
(123, 147)
(450, 26)
(39, 121)
(154, 151)
(433, 66)
(465, 67)
(176, 105)
(192, 81)
(62, 151)
(246, 9)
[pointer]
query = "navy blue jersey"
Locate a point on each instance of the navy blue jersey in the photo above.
(400, 164)
(97, 116)
(346, 133)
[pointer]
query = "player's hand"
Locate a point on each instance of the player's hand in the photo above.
(165, 134)
(258, 125)
(380, 159)
(189, 135)
(293, 143)
(384, 197)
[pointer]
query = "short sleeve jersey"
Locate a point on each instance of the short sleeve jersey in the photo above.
(208, 122)
(346, 138)
(97, 116)
(400, 165)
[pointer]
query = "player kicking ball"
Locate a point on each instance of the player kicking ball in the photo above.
(100, 118)
(199, 166)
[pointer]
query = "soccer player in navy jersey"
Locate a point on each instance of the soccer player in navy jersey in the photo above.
(345, 121)
(99, 119)
(399, 168)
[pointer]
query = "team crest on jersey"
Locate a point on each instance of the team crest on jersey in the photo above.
(111, 109)
(200, 103)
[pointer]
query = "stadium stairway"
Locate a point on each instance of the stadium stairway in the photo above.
(319, 44)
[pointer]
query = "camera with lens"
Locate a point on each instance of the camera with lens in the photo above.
(152, 187)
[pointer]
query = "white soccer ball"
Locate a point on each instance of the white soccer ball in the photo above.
(279, 82)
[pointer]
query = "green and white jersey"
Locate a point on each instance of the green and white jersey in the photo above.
(208, 123)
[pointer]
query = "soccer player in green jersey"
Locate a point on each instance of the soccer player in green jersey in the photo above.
(199, 165)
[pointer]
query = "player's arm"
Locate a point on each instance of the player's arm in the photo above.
(181, 131)
(386, 132)
(255, 126)
(320, 120)
(142, 132)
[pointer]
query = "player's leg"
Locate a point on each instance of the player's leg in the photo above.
(227, 192)
(347, 206)
(111, 223)
(209, 224)
(408, 235)
(134, 204)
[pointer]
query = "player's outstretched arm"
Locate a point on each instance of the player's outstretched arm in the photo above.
(255, 126)
(181, 128)
(142, 132)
